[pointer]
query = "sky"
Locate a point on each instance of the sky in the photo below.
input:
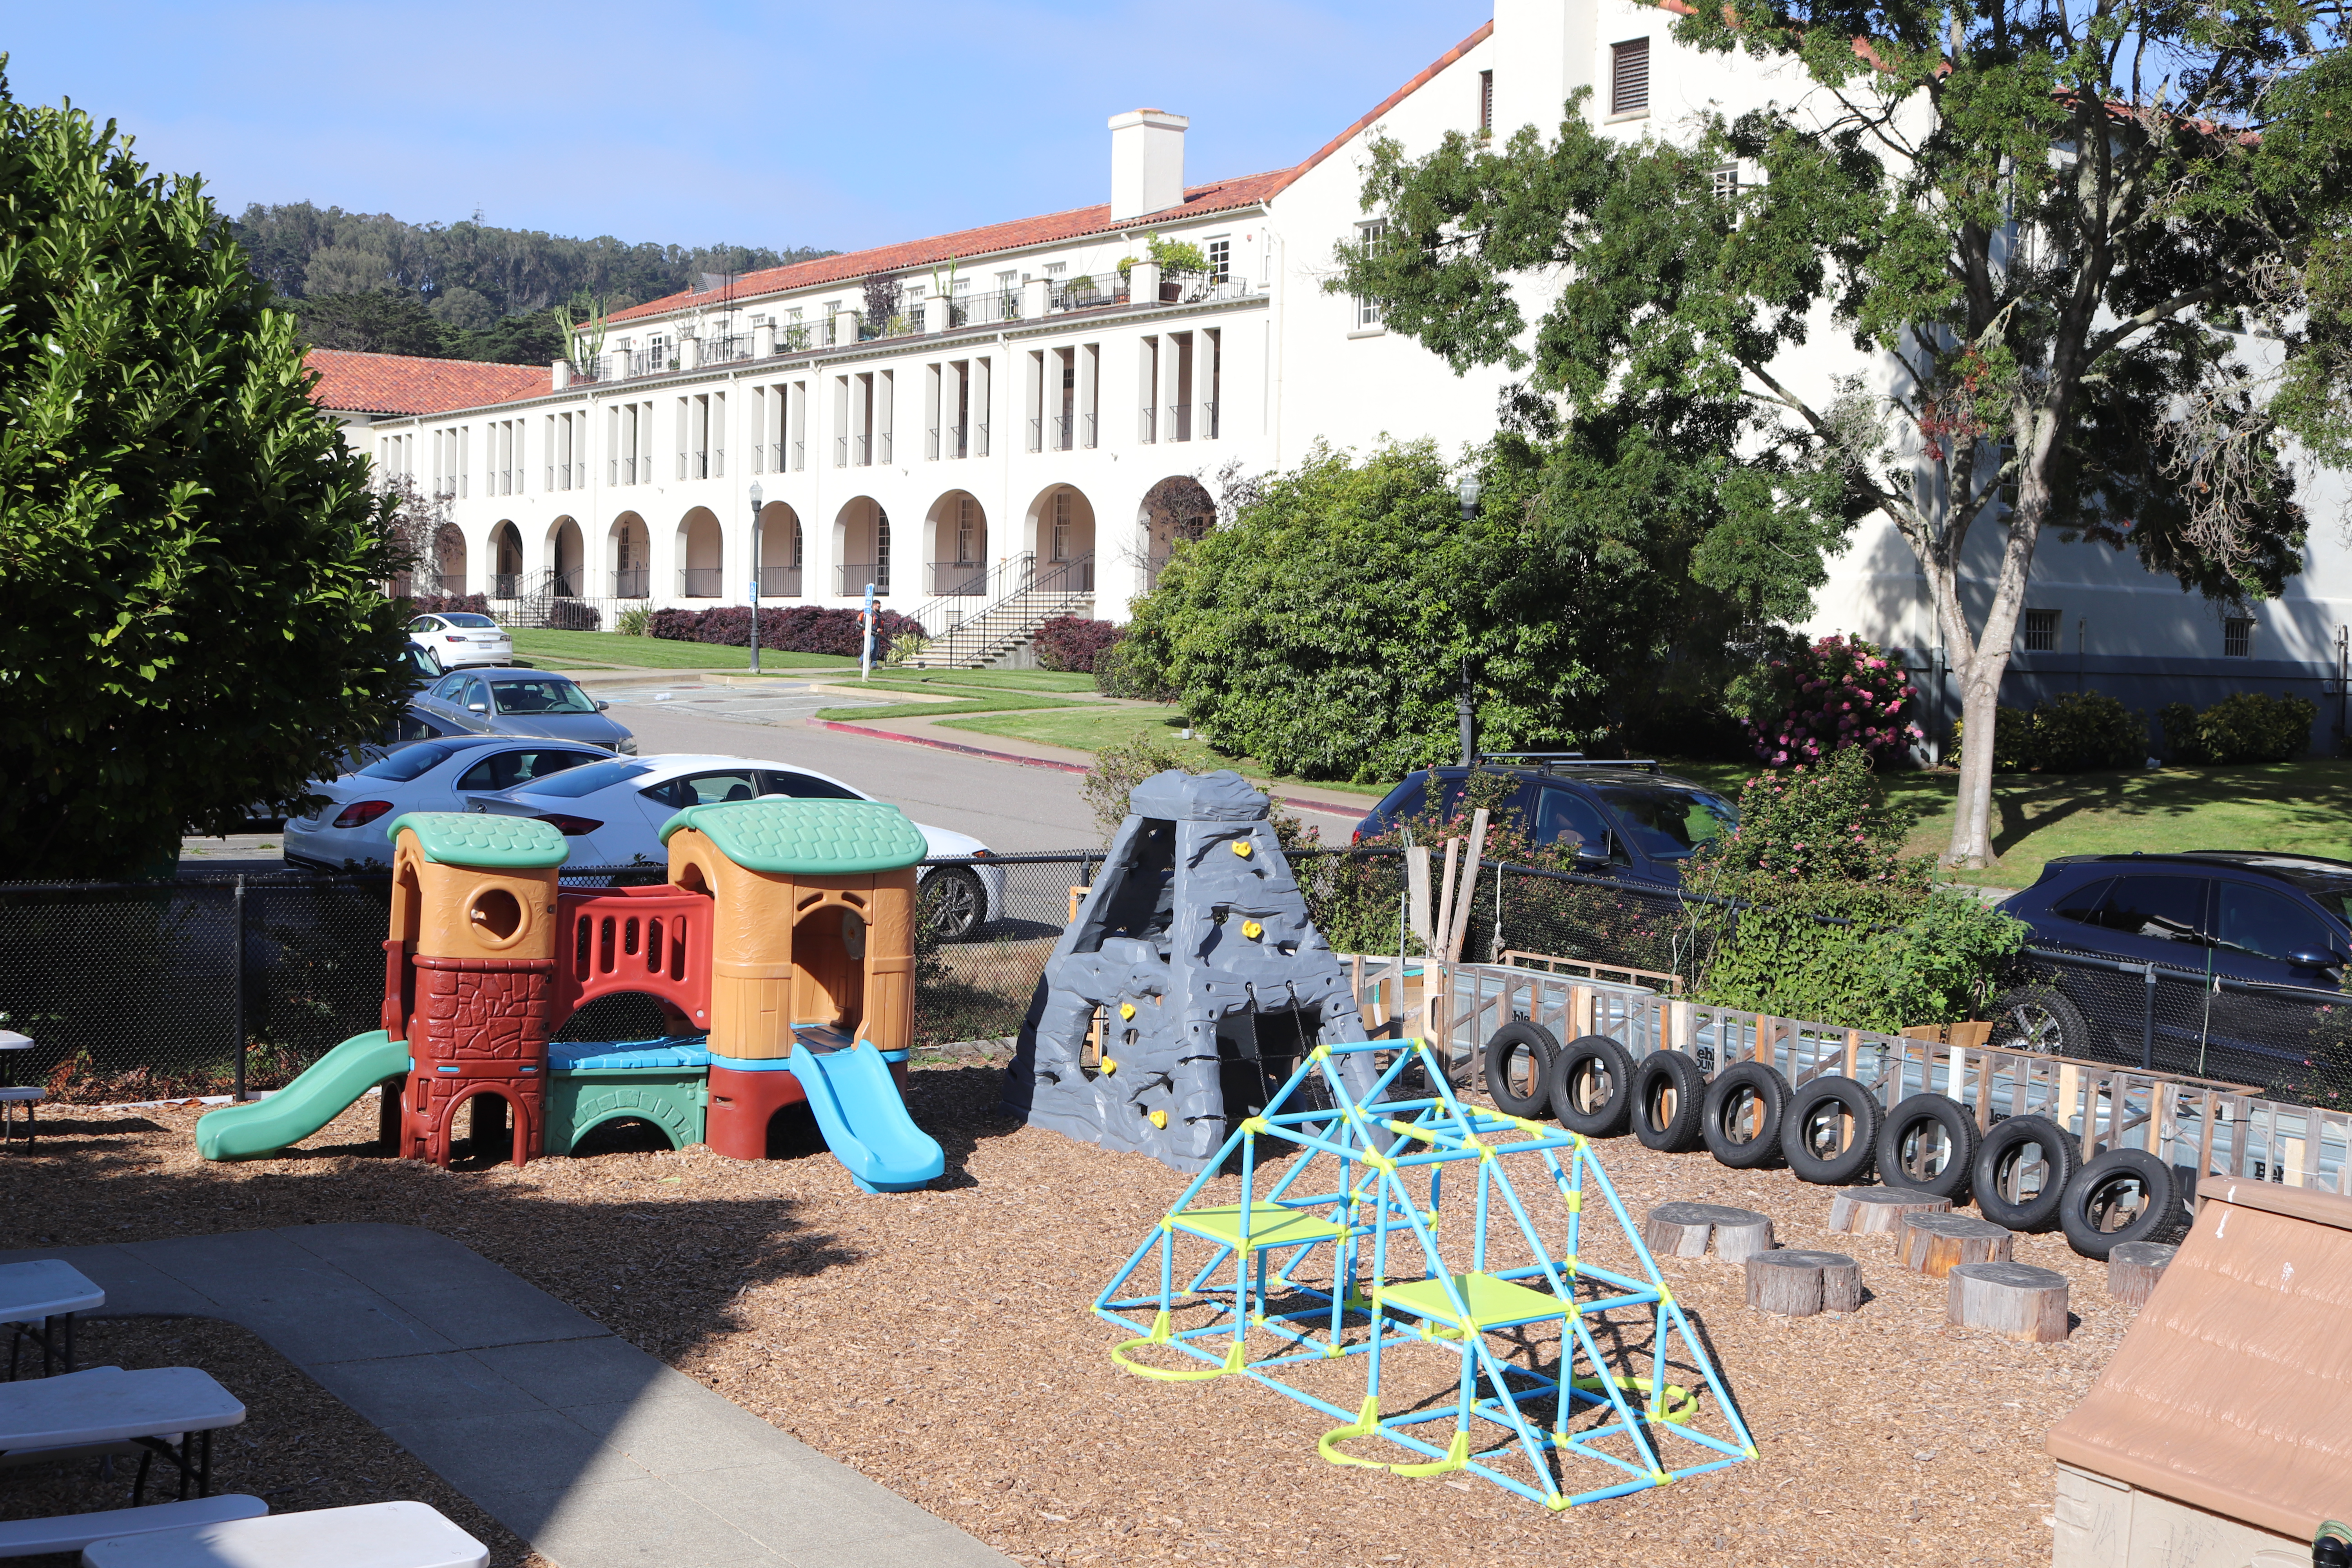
(838, 126)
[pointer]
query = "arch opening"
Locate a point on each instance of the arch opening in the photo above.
(1176, 511)
(505, 551)
(782, 555)
(1061, 538)
(861, 538)
(450, 560)
(629, 551)
(958, 531)
(702, 556)
(567, 556)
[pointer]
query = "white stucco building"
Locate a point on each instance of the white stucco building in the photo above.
(1006, 441)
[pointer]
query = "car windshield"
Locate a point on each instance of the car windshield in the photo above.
(1669, 824)
(468, 621)
(409, 762)
(551, 695)
(579, 782)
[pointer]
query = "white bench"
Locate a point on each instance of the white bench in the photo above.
(121, 1449)
(373, 1535)
(72, 1532)
(40, 1292)
(82, 1408)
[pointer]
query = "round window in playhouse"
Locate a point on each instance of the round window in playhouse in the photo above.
(852, 934)
(495, 915)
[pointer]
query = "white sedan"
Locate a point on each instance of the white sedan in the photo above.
(460, 638)
(453, 774)
(614, 811)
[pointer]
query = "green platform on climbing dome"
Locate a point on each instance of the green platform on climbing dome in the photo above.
(1493, 1303)
(806, 837)
(485, 843)
(1270, 1225)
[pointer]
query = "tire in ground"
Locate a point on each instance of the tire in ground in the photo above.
(1592, 1086)
(2020, 1173)
(2123, 1194)
(1669, 1101)
(1518, 1067)
(1830, 1136)
(1928, 1143)
(2039, 1019)
(1740, 1117)
(954, 905)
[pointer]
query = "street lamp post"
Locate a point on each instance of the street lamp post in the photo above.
(755, 577)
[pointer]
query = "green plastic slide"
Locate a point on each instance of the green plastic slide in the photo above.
(324, 1091)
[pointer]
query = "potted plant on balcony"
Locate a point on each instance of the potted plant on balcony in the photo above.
(1182, 264)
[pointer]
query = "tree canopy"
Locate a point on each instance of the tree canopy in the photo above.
(2074, 243)
(188, 551)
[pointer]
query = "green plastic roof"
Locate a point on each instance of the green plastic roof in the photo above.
(814, 837)
(491, 843)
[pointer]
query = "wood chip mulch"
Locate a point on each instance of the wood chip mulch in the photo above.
(941, 1344)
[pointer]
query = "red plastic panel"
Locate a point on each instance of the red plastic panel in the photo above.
(655, 940)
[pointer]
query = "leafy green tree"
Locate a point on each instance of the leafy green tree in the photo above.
(188, 552)
(2050, 228)
(1328, 627)
(378, 323)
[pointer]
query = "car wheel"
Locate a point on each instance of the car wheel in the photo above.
(2039, 1019)
(954, 906)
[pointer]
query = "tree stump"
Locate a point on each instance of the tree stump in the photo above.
(1933, 1243)
(2013, 1298)
(1880, 1211)
(1798, 1284)
(1682, 1229)
(2134, 1267)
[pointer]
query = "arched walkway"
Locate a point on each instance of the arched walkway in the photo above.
(1061, 533)
(449, 559)
(861, 543)
(629, 551)
(782, 551)
(958, 531)
(506, 553)
(567, 558)
(702, 556)
(1177, 509)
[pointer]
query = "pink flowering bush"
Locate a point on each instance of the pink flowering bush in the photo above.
(1839, 694)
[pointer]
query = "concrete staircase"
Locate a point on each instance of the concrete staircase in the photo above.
(974, 630)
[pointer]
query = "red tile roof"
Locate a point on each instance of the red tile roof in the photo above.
(1076, 224)
(404, 384)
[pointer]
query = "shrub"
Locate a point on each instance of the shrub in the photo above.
(1839, 693)
(1119, 768)
(449, 604)
(803, 628)
(2243, 727)
(1072, 644)
(635, 622)
(2075, 731)
(1120, 672)
(905, 648)
(572, 615)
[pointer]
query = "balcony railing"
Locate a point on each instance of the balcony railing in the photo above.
(636, 583)
(841, 451)
(1180, 422)
(1087, 293)
(959, 579)
(1147, 423)
(1071, 576)
(725, 351)
(983, 310)
(1061, 432)
(1208, 421)
(852, 576)
(505, 584)
(701, 582)
(450, 583)
(783, 584)
(565, 584)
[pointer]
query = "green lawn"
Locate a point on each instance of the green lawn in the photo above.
(610, 650)
(1093, 727)
(983, 702)
(992, 680)
(2295, 807)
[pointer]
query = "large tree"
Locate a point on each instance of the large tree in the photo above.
(2071, 238)
(188, 553)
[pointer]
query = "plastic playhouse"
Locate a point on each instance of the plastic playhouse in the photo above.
(781, 952)
(1339, 1256)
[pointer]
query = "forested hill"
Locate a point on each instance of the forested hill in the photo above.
(461, 290)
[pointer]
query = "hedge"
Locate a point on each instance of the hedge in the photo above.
(803, 628)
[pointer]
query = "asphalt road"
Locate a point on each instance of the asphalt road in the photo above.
(1011, 809)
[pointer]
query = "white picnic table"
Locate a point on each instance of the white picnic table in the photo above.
(11, 1092)
(372, 1535)
(40, 1292)
(108, 1405)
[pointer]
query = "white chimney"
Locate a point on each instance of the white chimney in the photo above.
(1146, 162)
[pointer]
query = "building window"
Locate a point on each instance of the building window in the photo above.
(1486, 102)
(964, 530)
(1061, 525)
(2040, 631)
(1368, 238)
(1221, 259)
(1629, 78)
(2237, 637)
(1724, 184)
(1056, 268)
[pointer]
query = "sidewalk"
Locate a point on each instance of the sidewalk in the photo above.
(596, 1453)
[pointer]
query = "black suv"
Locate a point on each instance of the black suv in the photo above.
(1624, 818)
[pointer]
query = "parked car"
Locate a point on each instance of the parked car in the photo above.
(534, 702)
(1626, 819)
(452, 774)
(614, 811)
(464, 640)
(423, 665)
(2231, 915)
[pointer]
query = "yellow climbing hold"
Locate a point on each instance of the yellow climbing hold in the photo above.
(1251, 929)
(1242, 847)
(1109, 1067)
(1126, 1009)
(1159, 1119)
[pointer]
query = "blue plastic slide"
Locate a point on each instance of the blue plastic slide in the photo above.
(325, 1090)
(863, 1121)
